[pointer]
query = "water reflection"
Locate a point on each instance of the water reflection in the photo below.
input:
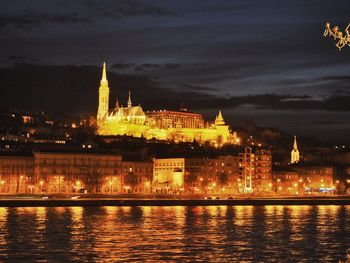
(215, 234)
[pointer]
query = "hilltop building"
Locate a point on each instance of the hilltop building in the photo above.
(178, 126)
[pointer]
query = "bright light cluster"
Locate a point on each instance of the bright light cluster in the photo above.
(342, 39)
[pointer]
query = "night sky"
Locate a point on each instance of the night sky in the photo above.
(264, 61)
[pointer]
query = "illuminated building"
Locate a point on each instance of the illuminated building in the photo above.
(284, 180)
(16, 174)
(163, 125)
(300, 179)
(165, 119)
(168, 174)
(255, 170)
(61, 172)
(316, 178)
(294, 155)
(141, 172)
(197, 175)
(52, 172)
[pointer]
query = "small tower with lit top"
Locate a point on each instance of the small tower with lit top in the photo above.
(294, 155)
(219, 120)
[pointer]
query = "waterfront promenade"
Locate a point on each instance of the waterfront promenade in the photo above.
(185, 201)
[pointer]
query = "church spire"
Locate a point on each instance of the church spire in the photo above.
(103, 98)
(104, 75)
(295, 145)
(129, 100)
(294, 155)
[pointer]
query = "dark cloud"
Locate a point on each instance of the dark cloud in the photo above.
(122, 65)
(88, 12)
(23, 59)
(327, 122)
(154, 66)
(347, 78)
(123, 8)
(74, 89)
(34, 18)
(199, 88)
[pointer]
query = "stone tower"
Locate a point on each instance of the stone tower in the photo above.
(103, 98)
(219, 120)
(294, 155)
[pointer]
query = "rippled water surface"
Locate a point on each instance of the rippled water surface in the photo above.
(183, 234)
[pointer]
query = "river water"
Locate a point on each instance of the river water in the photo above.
(182, 234)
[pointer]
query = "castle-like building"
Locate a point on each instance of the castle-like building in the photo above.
(177, 126)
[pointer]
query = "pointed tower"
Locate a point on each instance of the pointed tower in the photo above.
(129, 100)
(219, 120)
(294, 155)
(103, 98)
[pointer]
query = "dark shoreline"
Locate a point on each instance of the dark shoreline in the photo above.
(170, 202)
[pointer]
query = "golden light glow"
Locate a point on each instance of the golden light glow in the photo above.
(181, 125)
(342, 39)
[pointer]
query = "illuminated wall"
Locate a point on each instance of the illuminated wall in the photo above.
(177, 126)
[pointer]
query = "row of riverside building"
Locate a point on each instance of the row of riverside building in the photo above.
(250, 171)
